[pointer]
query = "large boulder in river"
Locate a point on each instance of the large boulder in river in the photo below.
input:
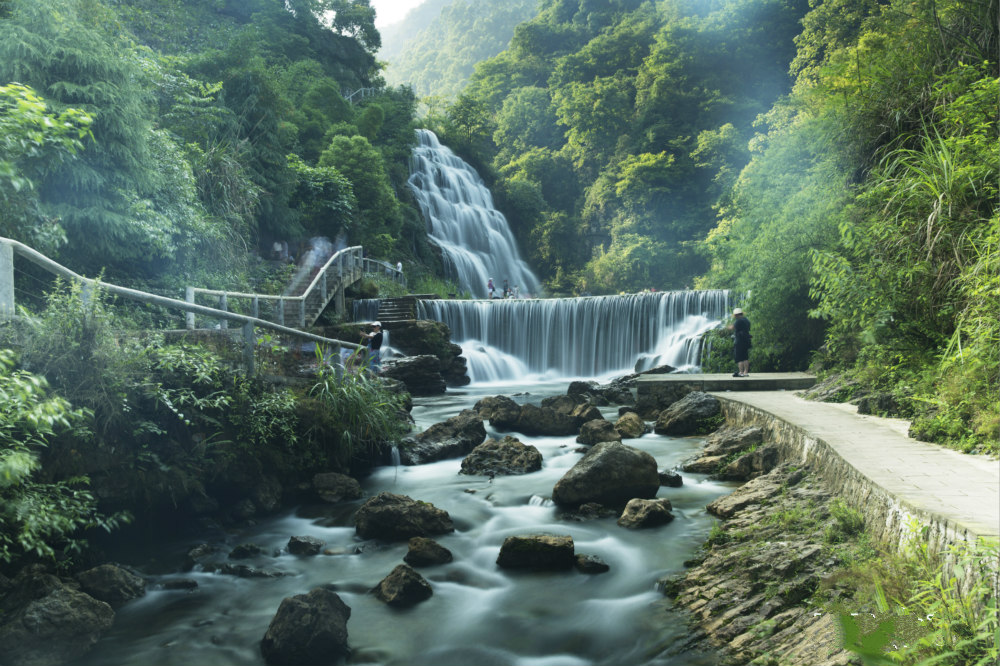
(630, 425)
(544, 421)
(576, 407)
(661, 396)
(334, 487)
(420, 374)
(538, 552)
(397, 518)
(500, 407)
(447, 439)
(112, 584)
(596, 431)
(403, 588)
(45, 621)
(696, 413)
(641, 513)
(426, 552)
(609, 473)
(426, 336)
(307, 629)
(507, 456)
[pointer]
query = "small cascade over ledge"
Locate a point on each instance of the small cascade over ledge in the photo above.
(474, 237)
(592, 336)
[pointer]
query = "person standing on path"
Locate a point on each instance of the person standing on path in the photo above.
(489, 287)
(374, 347)
(741, 343)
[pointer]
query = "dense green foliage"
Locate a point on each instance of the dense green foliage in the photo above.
(437, 57)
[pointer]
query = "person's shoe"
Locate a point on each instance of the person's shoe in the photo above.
(737, 374)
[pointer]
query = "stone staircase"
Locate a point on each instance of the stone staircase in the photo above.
(400, 309)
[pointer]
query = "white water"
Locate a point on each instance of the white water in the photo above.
(479, 614)
(474, 237)
(594, 336)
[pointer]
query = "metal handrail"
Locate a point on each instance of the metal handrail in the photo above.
(248, 322)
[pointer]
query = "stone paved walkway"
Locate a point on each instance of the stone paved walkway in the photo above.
(962, 488)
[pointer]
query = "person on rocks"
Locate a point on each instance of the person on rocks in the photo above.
(741, 343)
(374, 347)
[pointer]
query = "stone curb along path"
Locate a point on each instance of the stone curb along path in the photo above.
(876, 468)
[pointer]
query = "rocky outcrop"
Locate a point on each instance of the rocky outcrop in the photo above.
(591, 564)
(425, 552)
(305, 546)
(630, 426)
(500, 407)
(507, 456)
(751, 465)
(420, 374)
(641, 513)
(577, 408)
(307, 629)
(720, 447)
(45, 621)
(425, 336)
(617, 392)
(111, 584)
(403, 588)
(397, 518)
(537, 552)
(753, 492)
(749, 591)
(334, 487)
(609, 473)
(671, 479)
(448, 439)
(556, 416)
(596, 431)
(696, 413)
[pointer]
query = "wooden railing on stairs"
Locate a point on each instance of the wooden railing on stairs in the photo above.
(9, 248)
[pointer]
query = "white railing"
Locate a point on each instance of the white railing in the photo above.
(9, 247)
(341, 270)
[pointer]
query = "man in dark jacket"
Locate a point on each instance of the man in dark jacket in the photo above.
(374, 347)
(741, 343)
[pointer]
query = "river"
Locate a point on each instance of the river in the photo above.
(479, 614)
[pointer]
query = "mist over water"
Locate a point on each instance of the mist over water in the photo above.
(474, 237)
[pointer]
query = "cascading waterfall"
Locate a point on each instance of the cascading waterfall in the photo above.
(579, 337)
(474, 237)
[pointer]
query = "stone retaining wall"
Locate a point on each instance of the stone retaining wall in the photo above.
(887, 518)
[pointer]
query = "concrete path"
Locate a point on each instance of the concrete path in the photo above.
(763, 381)
(963, 489)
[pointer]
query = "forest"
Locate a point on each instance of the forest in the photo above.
(834, 163)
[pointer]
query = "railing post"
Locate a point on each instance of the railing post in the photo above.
(302, 312)
(255, 307)
(322, 286)
(6, 282)
(248, 349)
(224, 306)
(189, 317)
(281, 311)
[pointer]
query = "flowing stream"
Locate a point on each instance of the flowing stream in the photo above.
(479, 614)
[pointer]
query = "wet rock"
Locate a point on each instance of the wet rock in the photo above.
(421, 374)
(425, 552)
(594, 432)
(425, 336)
(403, 588)
(694, 414)
(576, 407)
(591, 564)
(537, 552)
(609, 473)
(266, 494)
(305, 545)
(640, 513)
(751, 465)
(752, 492)
(498, 407)
(112, 584)
(181, 584)
(649, 405)
(247, 571)
(307, 629)
(590, 511)
(333, 487)
(670, 479)
(731, 439)
(397, 517)
(245, 551)
(630, 425)
(45, 621)
(507, 456)
(454, 437)
(704, 465)
(545, 421)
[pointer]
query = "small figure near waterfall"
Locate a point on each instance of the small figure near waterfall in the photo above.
(399, 266)
(489, 287)
(506, 289)
(741, 343)
(374, 347)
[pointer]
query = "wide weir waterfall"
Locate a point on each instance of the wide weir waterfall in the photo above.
(474, 237)
(591, 336)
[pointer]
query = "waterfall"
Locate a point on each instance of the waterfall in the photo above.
(592, 336)
(475, 240)
(365, 309)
